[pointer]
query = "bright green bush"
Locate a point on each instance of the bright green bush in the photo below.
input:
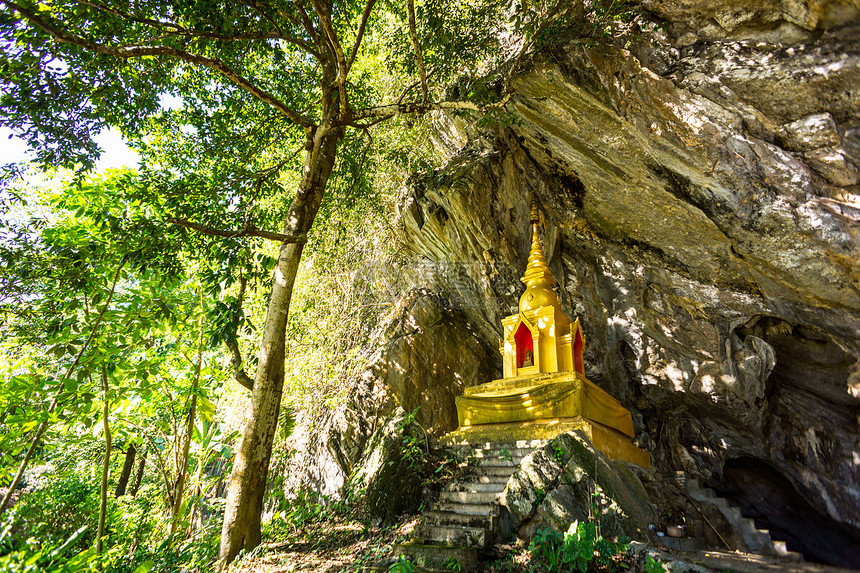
(580, 549)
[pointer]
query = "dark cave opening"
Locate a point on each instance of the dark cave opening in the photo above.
(772, 501)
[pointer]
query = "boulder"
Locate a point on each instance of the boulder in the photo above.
(568, 480)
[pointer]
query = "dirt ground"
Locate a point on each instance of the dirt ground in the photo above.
(333, 546)
(337, 545)
(341, 546)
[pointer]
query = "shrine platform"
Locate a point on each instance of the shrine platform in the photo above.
(542, 406)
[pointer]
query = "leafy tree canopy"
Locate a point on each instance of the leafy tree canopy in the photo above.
(248, 115)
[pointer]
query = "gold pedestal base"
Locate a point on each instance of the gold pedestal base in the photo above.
(543, 406)
(613, 444)
(556, 395)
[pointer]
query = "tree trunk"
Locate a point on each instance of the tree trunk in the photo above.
(138, 476)
(189, 429)
(105, 466)
(250, 469)
(198, 493)
(127, 466)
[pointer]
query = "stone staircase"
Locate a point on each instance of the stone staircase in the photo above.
(469, 517)
(756, 540)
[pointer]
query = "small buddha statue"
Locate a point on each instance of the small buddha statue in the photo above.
(529, 360)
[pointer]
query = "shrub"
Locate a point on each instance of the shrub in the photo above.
(579, 549)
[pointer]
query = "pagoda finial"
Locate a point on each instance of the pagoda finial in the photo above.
(538, 278)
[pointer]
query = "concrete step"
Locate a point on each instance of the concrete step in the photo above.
(454, 519)
(721, 504)
(468, 508)
(756, 540)
(439, 556)
(783, 551)
(506, 471)
(501, 452)
(502, 479)
(480, 446)
(476, 487)
(497, 461)
(466, 536)
(452, 496)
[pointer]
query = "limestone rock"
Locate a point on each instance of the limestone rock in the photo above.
(568, 480)
(833, 165)
(424, 355)
(771, 20)
(811, 132)
(696, 225)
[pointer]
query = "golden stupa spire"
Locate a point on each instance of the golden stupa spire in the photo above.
(538, 278)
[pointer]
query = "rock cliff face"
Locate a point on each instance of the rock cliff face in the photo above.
(578, 483)
(702, 215)
(424, 356)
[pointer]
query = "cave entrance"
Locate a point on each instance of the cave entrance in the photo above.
(771, 500)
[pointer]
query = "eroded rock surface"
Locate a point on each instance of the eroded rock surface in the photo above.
(699, 186)
(568, 480)
(702, 216)
(424, 357)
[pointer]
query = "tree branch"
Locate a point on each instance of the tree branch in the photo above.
(232, 345)
(127, 52)
(419, 57)
(248, 231)
(365, 16)
(331, 34)
(306, 21)
(417, 108)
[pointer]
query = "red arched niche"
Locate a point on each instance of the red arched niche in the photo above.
(523, 340)
(577, 352)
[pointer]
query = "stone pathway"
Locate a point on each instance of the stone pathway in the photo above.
(467, 519)
(708, 561)
(756, 540)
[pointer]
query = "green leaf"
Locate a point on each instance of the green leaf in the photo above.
(145, 567)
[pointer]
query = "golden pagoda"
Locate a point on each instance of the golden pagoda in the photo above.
(544, 391)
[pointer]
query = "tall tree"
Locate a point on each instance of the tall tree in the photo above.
(261, 83)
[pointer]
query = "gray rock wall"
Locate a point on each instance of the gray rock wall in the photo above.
(424, 355)
(702, 216)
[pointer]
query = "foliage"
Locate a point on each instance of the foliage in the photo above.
(654, 565)
(580, 548)
(557, 452)
(40, 531)
(402, 565)
(415, 449)
(87, 300)
(302, 510)
(55, 512)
